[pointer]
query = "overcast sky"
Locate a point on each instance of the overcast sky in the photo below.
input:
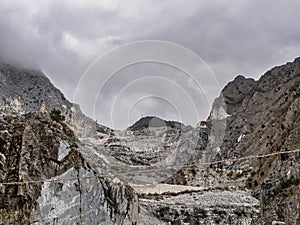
(96, 51)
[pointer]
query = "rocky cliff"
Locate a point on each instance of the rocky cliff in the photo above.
(265, 118)
(44, 179)
(36, 149)
(28, 90)
(261, 117)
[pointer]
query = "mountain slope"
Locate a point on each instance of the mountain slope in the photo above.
(37, 145)
(262, 117)
(266, 120)
(29, 89)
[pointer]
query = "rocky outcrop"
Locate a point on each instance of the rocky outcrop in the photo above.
(267, 121)
(235, 92)
(37, 149)
(28, 90)
(42, 172)
(41, 140)
(257, 118)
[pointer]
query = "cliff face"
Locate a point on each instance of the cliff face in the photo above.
(255, 118)
(37, 146)
(265, 118)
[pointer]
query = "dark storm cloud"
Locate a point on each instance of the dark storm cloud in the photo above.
(64, 37)
(243, 36)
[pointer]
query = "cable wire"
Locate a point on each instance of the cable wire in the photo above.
(198, 164)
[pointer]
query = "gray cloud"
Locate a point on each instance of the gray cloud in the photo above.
(64, 37)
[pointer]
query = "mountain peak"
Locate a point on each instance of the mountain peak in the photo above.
(30, 88)
(154, 122)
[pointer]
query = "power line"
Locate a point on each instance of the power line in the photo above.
(250, 157)
(198, 164)
(218, 161)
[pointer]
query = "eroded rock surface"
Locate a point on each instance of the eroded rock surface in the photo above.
(261, 117)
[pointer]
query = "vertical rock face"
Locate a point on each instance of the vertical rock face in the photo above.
(37, 145)
(264, 119)
(86, 201)
(255, 118)
(37, 148)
